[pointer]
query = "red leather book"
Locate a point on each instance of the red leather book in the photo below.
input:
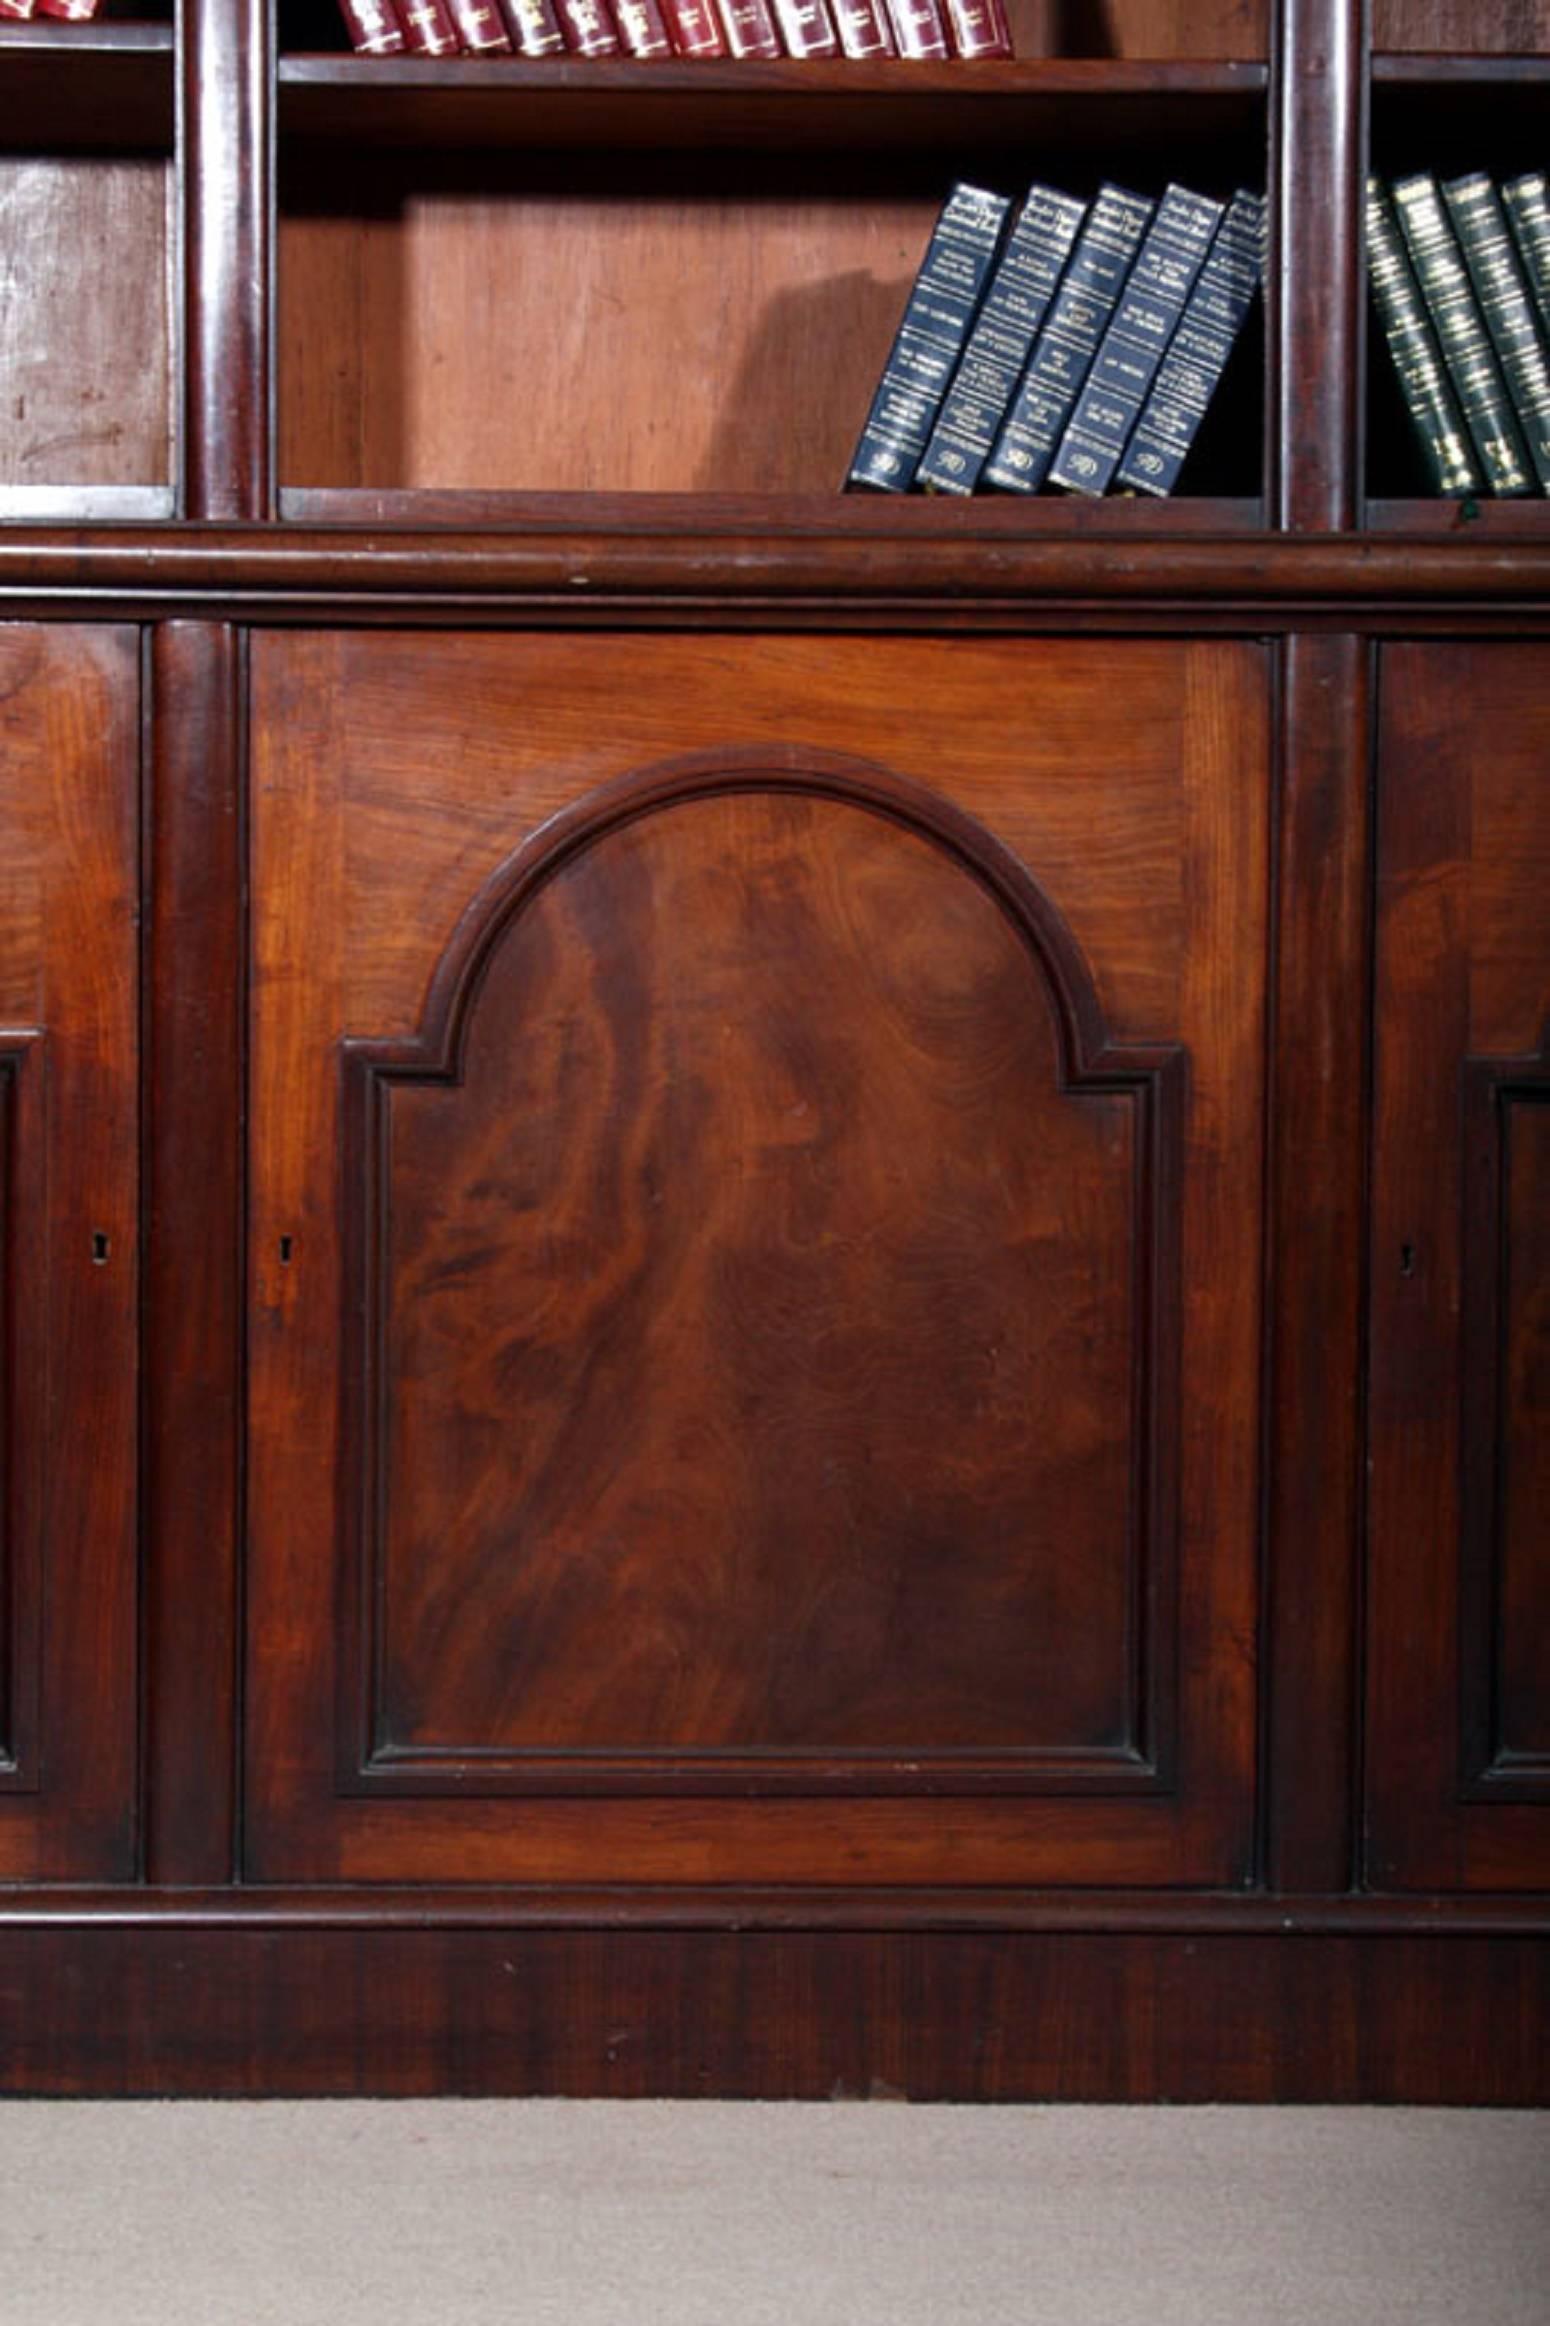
(643, 28)
(373, 27)
(479, 27)
(12, 11)
(534, 27)
(428, 28)
(979, 28)
(918, 29)
(807, 28)
(69, 11)
(750, 28)
(590, 30)
(694, 28)
(863, 28)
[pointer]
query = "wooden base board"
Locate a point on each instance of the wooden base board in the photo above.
(121, 2008)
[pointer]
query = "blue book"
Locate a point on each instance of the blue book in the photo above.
(1064, 350)
(1213, 316)
(1133, 347)
(998, 347)
(942, 305)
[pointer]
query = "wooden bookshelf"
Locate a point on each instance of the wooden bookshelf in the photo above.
(771, 1273)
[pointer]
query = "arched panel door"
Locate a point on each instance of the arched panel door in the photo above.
(722, 1378)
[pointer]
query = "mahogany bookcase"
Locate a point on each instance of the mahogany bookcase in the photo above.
(774, 1267)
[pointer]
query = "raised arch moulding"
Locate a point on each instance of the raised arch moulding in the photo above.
(761, 1317)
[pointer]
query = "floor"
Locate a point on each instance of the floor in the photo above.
(555, 2213)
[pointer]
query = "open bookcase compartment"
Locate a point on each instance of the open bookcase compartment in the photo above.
(1451, 117)
(668, 325)
(88, 394)
(1097, 29)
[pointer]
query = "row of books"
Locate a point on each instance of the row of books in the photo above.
(914, 29)
(1460, 275)
(66, 11)
(1079, 347)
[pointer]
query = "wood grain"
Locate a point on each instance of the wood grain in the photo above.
(1084, 2015)
(764, 1116)
(1458, 1575)
(361, 878)
(85, 350)
(69, 707)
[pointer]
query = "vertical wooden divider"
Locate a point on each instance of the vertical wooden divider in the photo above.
(193, 986)
(1321, 991)
(226, 76)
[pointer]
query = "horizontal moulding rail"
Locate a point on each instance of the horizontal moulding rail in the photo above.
(1214, 1914)
(707, 576)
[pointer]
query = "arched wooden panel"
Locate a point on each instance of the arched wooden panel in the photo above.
(762, 1284)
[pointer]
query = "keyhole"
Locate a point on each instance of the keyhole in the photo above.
(285, 1251)
(1407, 1259)
(100, 1248)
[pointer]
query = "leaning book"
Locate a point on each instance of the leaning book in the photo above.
(1191, 370)
(942, 305)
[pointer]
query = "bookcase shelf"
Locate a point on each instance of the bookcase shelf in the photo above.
(86, 88)
(1133, 112)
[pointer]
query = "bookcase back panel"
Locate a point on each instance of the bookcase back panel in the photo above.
(754, 1267)
(1139, 28)
(547, 342)
(1469, 27)
(84, 322)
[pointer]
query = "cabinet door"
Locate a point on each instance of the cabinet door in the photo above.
(1459, 1606)
(755, 1236)
(69, 757)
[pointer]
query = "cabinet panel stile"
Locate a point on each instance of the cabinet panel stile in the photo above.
(69, 1072)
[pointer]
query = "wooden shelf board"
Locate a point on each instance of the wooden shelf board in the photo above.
(1460, 75)
(86, 88)
(1485, 520)
(843, 515)
(86, 504)
(499, 100)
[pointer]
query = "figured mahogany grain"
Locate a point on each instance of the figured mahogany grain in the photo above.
(1459, 1586)
(757, 1317)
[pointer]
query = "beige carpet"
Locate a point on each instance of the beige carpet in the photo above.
(558, 2213)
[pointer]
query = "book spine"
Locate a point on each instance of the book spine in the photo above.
(807, 28)
(1466, 348)
(479, 27)
(1480, 223)
(1214, 314)
(1527, 204)
(979, 28)
(863, 28)
(1004, 330)
(918, 29)
(533, 25)
(589, 27)
(1132, 348)
(643, 28)
(1423, 376)
(68, 11)
(694, 28)
(942, 302)
(750, 28)
(373, 27)
(1065, 348)
(428, 28)
(16, 11)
